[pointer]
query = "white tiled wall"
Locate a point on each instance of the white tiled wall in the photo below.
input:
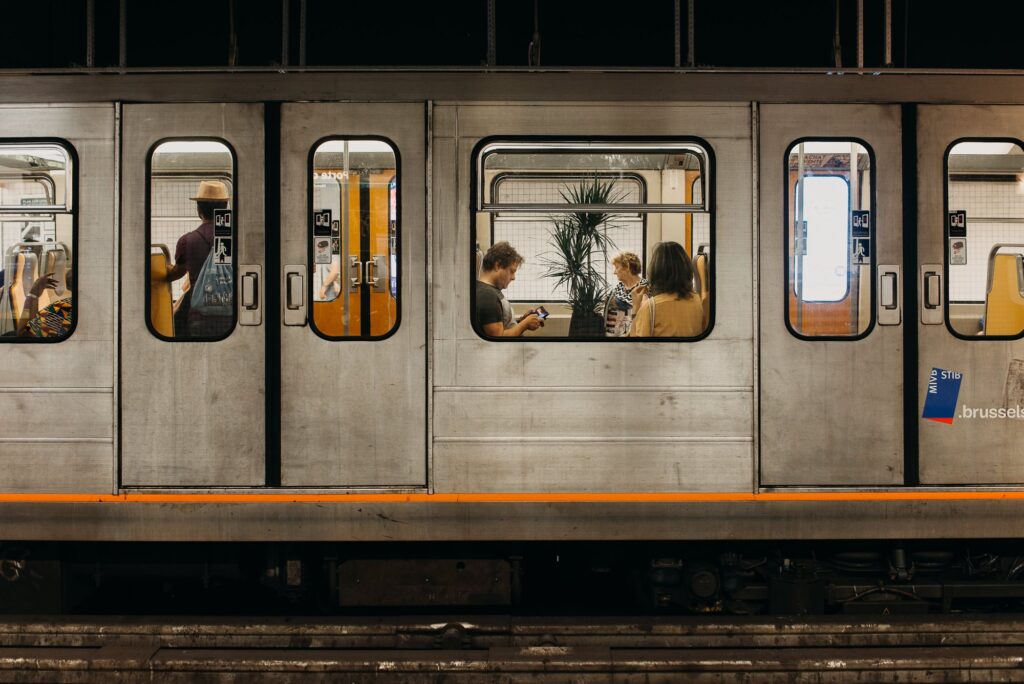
(983, 200)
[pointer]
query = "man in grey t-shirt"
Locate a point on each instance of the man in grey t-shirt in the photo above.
(493, 312)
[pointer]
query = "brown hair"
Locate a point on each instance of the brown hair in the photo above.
(629, 260)
(670, 270)
(501, 255)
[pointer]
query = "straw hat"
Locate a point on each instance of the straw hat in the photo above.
(211, 191)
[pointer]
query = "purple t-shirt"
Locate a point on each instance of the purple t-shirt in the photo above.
(193, 248)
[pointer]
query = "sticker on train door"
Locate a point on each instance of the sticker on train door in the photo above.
(322, 237)
(861, 223)
(957, 226)
(860, 231)
(861, 250)
(957, 251)
(223, 246)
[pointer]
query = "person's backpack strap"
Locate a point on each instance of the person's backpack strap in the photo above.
(200, 234)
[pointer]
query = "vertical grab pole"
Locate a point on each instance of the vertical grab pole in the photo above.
(346, 284)
(799, 238)
(854, 203)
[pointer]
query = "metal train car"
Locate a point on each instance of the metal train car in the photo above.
(317, 374)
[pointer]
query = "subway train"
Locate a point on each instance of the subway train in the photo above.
(242, 307)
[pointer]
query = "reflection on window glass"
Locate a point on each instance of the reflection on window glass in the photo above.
(192, 240)
(37, 226)
(591, 241)
(354, 234)
(830, 238)
(985, 238)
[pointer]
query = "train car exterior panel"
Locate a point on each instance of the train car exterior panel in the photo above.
(58, 465)
(192, 412)
(831, 415)
(595, 414)
(354, 412)
(701, 464)
(57, 400)
(506, 518)
(484, 391)
(969, 451)
(831, 409)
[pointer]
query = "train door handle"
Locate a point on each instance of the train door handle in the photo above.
(294, 295)
(377, 273)
(931, 294)
(355, 264)
(889, 295)
(251, 312)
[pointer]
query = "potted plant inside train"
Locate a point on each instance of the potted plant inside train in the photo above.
(580, 255)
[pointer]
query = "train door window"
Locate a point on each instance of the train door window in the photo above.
(38, 241)
(191, 240)
(568, 235)
(830, 239)
(354, 238)
(984, 238)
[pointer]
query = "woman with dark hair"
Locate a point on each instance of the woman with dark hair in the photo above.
(669, 307)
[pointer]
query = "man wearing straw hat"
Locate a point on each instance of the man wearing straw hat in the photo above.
(193, 247)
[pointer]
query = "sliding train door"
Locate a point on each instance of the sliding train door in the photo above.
(353, 250)
(971, 280)
(57, 301)
(192, 340)
(830, 277)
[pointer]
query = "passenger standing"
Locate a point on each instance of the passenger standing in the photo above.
(193, 247)
(618, 308)
(493, 311)
(669, 307)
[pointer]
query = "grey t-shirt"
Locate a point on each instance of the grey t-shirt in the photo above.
(491, 306)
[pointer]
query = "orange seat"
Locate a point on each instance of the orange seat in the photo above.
(1004, 305)
(161, 315)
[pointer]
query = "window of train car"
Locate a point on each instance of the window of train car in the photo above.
(829, 197)
(592, 240)
(354, 238)
(984, 239)
(38, 241)
(191, 239)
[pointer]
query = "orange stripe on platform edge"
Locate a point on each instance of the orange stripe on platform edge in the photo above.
(511, 497)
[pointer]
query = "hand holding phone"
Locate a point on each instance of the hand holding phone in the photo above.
(541, 312)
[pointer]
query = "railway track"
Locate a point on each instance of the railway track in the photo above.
(512, 650)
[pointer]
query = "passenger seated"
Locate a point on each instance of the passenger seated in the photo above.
(493, 312)
(618, 308)
(52, 320)
(668, 305)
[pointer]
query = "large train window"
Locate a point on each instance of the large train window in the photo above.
(829, 239)
(191, 239)
(592, 240)
(37, 241)
(984, 238)
(354, 238)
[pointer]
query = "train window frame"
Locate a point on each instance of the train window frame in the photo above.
(945, 242)
(310, 169)
(533, 175)
(69, 207)
(148, 238)
(873, 241)
(707, 164)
